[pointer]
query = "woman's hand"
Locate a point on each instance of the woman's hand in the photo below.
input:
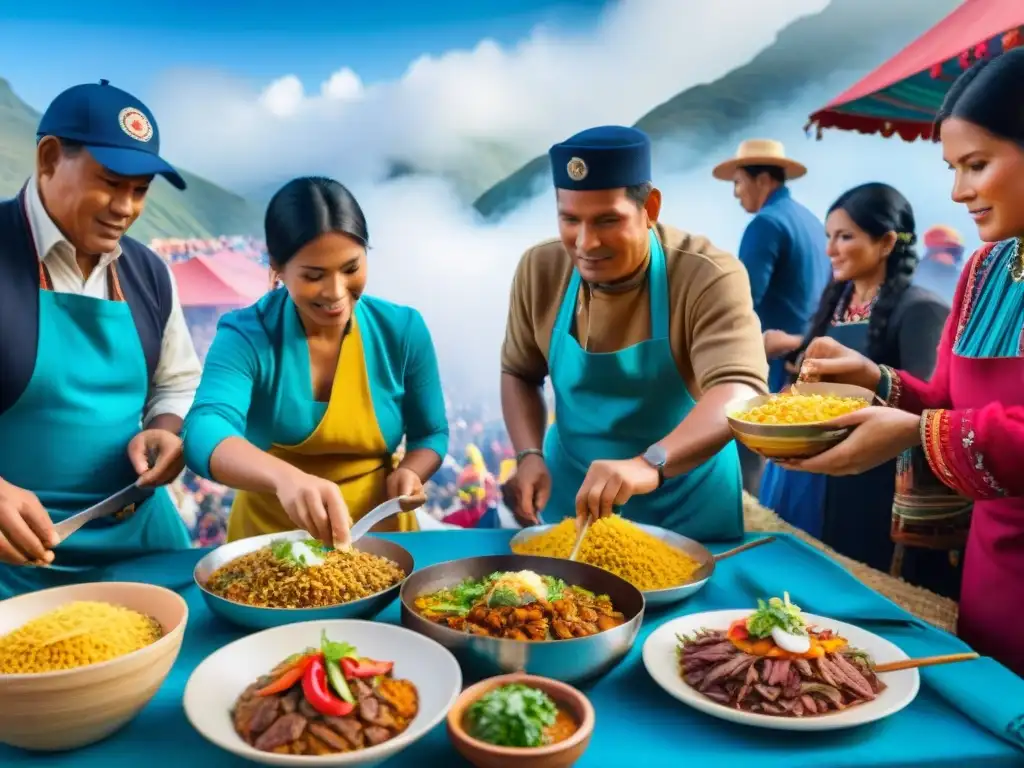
(879, 434)
(825, 359)
(779, 343)
(315, 505)
(405, 482)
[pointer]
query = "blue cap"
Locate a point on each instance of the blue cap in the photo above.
(118, 130)
(607, 157)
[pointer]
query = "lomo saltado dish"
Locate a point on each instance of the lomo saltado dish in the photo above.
(520, 605)
(773, 663)
(325, 700)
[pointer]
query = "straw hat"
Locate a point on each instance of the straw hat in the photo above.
(759, 152)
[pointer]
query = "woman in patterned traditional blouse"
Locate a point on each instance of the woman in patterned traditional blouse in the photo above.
(969, 418)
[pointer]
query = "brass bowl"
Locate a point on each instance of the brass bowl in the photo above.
(792, 441)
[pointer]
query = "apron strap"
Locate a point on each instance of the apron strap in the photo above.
(658, 289)
(113, 283)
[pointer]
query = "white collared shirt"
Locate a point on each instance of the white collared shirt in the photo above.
(178, 371)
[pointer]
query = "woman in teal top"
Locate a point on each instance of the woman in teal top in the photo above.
(307, 394)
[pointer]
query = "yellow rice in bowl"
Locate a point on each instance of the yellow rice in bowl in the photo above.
(795, 409)
(617, 545)
(76, 635)
(260, 579)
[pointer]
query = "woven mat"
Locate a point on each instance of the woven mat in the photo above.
(926, 605)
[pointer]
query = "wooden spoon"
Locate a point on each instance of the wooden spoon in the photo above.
(579, 539)
(925, 661)
(744, 548)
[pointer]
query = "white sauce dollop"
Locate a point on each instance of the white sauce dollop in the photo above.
(791, 643)
(306, 555)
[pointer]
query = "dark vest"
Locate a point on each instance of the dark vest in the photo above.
(145, 282)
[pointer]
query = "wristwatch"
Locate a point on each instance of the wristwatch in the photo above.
(656, 456)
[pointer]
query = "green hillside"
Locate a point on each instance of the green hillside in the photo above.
(848, 36)
(203, 210)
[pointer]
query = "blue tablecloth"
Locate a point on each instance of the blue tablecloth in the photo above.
(634, 715)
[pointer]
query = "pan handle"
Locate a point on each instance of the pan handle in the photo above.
(744, 547)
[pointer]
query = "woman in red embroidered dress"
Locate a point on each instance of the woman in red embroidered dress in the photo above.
(969, 418)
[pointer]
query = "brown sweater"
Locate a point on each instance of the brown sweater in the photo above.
(715, 335)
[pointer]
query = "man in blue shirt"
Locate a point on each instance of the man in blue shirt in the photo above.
(783, 249)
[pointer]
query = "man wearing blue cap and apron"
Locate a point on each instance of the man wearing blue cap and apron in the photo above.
(99, 368)
(647, 332)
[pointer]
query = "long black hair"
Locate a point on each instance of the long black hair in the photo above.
(877, 209)
(306, 208)
(989, 95)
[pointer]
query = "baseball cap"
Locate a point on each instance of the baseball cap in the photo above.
(118, 130)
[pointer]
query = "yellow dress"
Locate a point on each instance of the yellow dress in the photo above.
(347, 447)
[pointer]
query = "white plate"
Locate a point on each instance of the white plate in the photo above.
(663, 665)
(217, 682)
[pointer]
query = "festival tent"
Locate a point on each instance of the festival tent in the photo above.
(223, 279)
(904, 94)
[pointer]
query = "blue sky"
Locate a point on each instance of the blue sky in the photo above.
(47, 46)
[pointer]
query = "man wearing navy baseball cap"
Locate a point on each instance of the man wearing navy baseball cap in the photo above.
(99, 368)
(646, 332)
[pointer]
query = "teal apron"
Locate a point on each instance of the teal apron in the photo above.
(615, 405)
(71, 427)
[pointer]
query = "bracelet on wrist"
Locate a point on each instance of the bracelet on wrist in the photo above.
(528, 452)
(884, 388)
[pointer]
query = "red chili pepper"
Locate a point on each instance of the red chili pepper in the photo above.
(363, 668)
(291, 675)
(319, 696)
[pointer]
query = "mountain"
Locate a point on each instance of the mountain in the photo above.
(203, 210)
(844, 41)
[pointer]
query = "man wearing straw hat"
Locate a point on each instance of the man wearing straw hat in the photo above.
(646, 332)
(783, 249)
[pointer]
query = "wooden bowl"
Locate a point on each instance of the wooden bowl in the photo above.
(560, 755)
(792, 441)
(71, 708)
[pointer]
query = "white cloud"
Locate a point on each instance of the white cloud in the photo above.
(343, 85)
(430, 251)
(283, 97)
(525, 97)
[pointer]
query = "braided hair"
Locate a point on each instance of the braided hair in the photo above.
(877, 209)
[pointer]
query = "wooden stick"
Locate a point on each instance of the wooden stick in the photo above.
(927, 661)
(579, 539)
(744, 547)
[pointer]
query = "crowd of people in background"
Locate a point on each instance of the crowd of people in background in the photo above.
(173, 249)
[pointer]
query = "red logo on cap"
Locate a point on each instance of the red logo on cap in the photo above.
(135, 124)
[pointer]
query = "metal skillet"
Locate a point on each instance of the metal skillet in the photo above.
(659, 597)
(572, 661)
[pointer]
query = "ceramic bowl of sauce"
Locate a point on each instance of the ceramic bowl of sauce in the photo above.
(558, 723)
